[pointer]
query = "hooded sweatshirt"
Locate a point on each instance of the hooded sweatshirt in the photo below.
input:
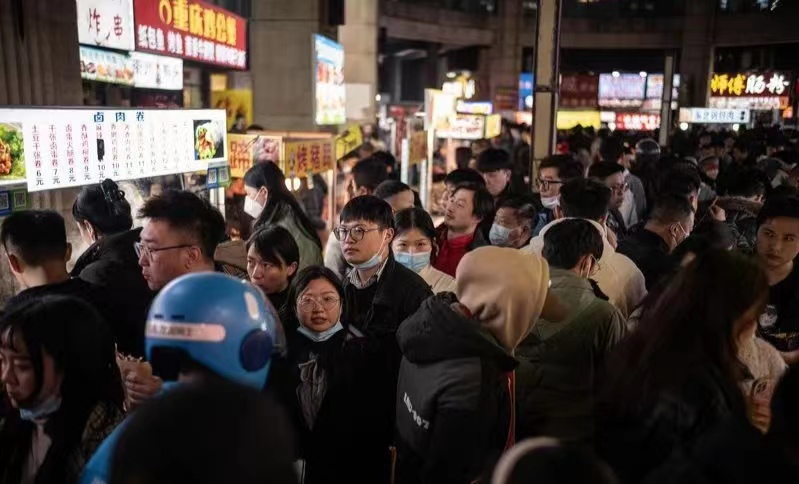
(618, 276)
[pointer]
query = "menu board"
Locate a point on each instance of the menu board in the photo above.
(308, 157)
(59, 148)
(621, 90)
(106, 66)
(106, 23)
(157, 71)
(329, 92)
(245, 149)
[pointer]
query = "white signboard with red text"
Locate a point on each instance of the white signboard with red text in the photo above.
(59, 148)
(106, 23)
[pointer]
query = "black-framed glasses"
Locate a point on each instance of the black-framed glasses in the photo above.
(147, 252)
(308, 303)
(356, 234)
(545, 184)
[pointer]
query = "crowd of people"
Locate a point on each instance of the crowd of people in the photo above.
(635, 319)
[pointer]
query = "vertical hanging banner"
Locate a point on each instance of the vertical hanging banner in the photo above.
(59, 148)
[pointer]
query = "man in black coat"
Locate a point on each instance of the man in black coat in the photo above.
(379, 293)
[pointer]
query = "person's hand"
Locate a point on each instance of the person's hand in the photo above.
(718, 213)
(759, 404)
(140, 388)
(760, 415)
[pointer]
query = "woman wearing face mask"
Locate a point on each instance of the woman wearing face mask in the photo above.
(60, 374)
(272, 260)
(104, 220)
(328, 389)
(270, 203)
(414, 247)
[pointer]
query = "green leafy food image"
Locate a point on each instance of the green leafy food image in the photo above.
(12, 154)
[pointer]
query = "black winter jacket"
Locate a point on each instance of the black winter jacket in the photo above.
(111, 263)
(641, 438)
(453, 405)
(742, 220)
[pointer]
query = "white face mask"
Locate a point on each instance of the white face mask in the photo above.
(252, 208)
(551, 202)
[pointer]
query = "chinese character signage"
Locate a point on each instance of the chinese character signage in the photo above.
(742, 85)
(637, 121)
(308, 157)
(106, 66)
(714, 116)
(58, 148)
(463, 126)
(245, 149)
(621, 90)
(106, 23)
(349, 140)
(578, 91)
(526, 83)
(191, 29)
(330, 99)
(157, 71)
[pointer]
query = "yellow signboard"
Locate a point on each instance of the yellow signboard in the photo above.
(308, 157)
(237, 103)
(349, 140)
(570, 119)
(493, 126)
(245, 149)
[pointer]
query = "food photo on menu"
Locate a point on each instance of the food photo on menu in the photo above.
(209, 139)
(12, 152)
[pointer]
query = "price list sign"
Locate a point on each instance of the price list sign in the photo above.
(58, 148)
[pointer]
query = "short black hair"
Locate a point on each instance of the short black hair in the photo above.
(775, 207)
(35, 236)
(255, 420)
(369, 209)
(568, 168)
(567, 241)
(494, 159)
(585, 198)
(670, 208)
(186, 212)
(682, 180)
(464, 175)
(483, 202)
(524, 206)
(415, 218)
(604, 169)
(384, 157)
(748, 183)
(389, 188)
(611, 150)
(275, 245)
(104, 206)
(369, 173)
(711, 235)
(741, 145)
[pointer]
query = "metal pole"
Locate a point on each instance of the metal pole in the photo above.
(665, 101)
(547, 80)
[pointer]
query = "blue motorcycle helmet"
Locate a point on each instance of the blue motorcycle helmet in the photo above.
(216, 321)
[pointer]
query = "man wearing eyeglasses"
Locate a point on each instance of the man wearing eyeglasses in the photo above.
(179, 237)
(552, 174)
(612, 175)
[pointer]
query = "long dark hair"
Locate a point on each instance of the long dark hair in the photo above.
(280, 202)
(690, 326)
(416, 218)
(104, 206)
(276, 246)
(72, 333)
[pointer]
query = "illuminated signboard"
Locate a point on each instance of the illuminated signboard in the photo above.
(714, 116)
(637, 121)
(526, 83)
(191, 29)
(749, 85)
(578, 91)
(463, 126)
(58, 148)
(478, 107)
(654, 92)
(157, 71)
(106, 66)
(330, 105)
(571, 119)
(621, 90)
(106, 23)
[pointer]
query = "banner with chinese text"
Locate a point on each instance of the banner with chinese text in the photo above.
(759, 84)
(348, 140)
(307, 157)
(245, 149)
(191, 29)
(237, 102)
(59, 148)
